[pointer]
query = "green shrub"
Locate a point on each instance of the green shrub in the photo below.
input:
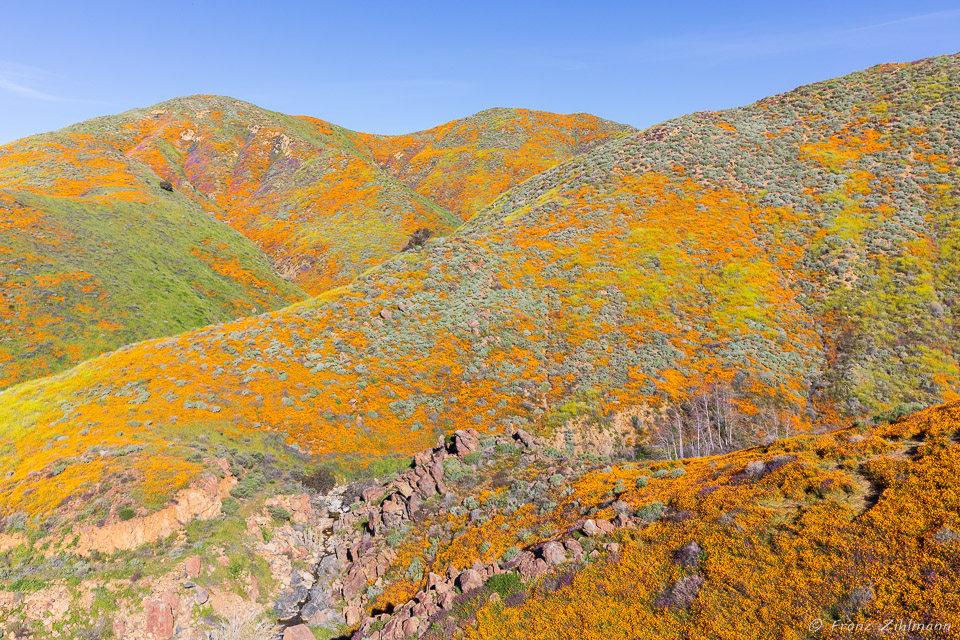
(472, 458)
(510, 554)
(27, 584)
(415, 570)
(250, 485)
(643, 481)
(660, 473)
(278, 513)
(230, 506)
(653, 511)
(899, 412)
(676, 473)
(126, 513)
(505, 584)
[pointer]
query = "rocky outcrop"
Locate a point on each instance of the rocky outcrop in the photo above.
(203, 502)
(356, 555)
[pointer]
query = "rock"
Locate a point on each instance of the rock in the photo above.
(386, 314)
(287, 606)
(533, 569)
(299, 632)
(574, 547)
(524, 437)
(433, 581)
(553, 553)
(413, 505)
(596, 527)
(410, 626)
(193, 564)
(590, 528)
(353, 613)
(446, 600)
(301, 511)
(372, 494)
(427, 486)
(159, 619)
(353, 584)
(119, 628)
(465, 441)
(494, 597)
(200, 595)
(470, 579)
(203, 502)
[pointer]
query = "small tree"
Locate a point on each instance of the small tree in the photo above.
(166, 185)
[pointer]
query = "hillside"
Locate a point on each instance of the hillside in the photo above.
(630, 287)
(506, 537)
(746, 278)
(465, 164)
(307, 193)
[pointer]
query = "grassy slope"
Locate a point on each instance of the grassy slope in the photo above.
(676, 265)
(84, 276)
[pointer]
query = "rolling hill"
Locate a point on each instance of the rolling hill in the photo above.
(263, 210)
(744, 304)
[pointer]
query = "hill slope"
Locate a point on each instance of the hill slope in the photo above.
(309, 194)
(691, 288)
(465, 164)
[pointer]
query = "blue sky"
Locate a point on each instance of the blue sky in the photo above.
(400, 66)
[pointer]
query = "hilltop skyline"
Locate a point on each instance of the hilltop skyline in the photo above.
(394, 70)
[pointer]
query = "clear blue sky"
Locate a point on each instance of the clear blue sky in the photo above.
(405, 65)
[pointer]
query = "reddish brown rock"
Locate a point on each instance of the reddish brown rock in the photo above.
(470, 579)
(553, 553)
(410, 626)
(353, 613)
(372, 494)
(192, 566)
(299, 632)
(159, 619)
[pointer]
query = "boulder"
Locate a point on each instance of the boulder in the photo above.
(353, 584)
(597, 527)
(574, 548)
(533, 569)
(466, 440)
(193, 564)
(200, 595)
(159, 619)
(298, 632)
(553, 553)
(524, 438)
(411, 626)
(372, 494)
(470, 579)
(590, 528)
(353, 613)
